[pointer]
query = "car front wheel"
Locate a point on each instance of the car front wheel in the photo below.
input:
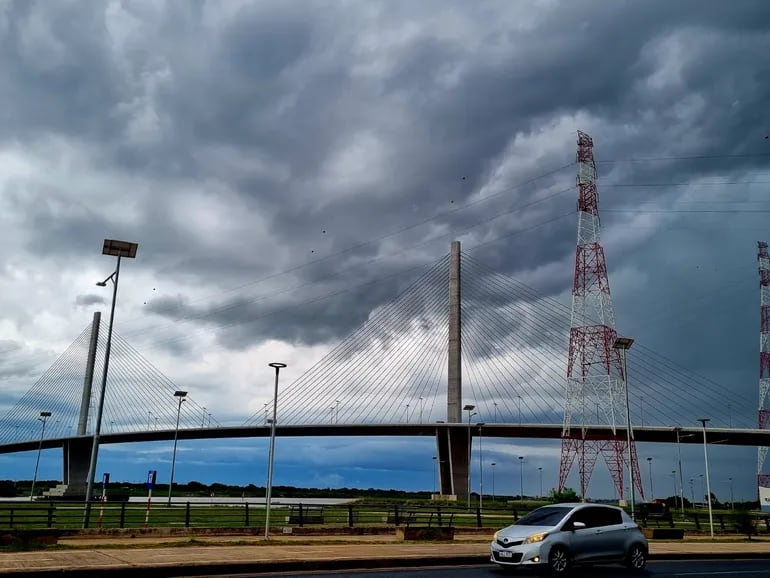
(636, 559)
(558, 560)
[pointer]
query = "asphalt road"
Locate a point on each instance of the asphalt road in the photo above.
(667, 569)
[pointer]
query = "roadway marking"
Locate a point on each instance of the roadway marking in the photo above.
(725, 573)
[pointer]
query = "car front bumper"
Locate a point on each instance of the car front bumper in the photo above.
(520, 555)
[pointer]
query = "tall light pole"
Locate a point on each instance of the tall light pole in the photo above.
(117, 249)
(518, 397)
(495, 404)
(704, 421)
(181, 395)
(407, 413)
(732, 500)
(493, 464)
(44, 415)
(673, 475)
(435, 465)
(469, 408)
(679, 458)
(625, 343)
(337, 411)
(521, 477)
(652, 491)
(540, 469)
(481, 470)
(277, 367)
(421, 404)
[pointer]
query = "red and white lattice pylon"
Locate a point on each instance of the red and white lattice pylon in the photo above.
(596, 381)
(763, 418)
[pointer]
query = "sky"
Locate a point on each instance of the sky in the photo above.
(287, 167)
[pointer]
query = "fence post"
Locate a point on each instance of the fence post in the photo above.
(11, 520)
(301, 516)
(50, 514)
(697, 521)
(247, 514)
(438, 513)
(721, 522)
(350, 515)
(478, 517)
(187, 515)
(123, 514)
(395, 514)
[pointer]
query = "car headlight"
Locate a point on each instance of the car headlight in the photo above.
(535, 538)
(495, 536)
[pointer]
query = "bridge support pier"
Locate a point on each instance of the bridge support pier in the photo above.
(77, 459)
(452, 451)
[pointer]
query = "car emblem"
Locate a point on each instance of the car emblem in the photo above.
(505, 540)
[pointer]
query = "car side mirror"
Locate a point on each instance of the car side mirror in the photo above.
(578, 525)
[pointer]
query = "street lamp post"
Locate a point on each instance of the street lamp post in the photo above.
(679, 458)
(652, 491)
(704, 421)
(421, 404)
(521, 477)
(435, 465)
(732, 500)
(277, 367)
(469, 408)
(117, 249)
(44, 415)
(673, 475)
(493, 480)
(481, 470)
(540, 469)
(181, 395)
(625, 343)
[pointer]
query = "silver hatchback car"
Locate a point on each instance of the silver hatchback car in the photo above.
(561, 535)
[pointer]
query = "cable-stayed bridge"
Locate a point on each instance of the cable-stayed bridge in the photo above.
(400, 373)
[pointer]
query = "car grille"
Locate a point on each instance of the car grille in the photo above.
(514, 559)
(509, 543)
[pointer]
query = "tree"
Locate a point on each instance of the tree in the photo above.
(566, 495)
(745, 524)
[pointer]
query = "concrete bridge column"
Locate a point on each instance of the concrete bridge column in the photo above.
(77, 459)
(452, 452)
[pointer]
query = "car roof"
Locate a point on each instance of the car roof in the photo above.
(580, 505)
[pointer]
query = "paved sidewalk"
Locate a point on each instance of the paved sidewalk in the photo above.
(154, 556)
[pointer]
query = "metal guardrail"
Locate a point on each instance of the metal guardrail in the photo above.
(128, 515)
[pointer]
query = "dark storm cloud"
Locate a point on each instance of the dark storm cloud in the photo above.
(333, 142)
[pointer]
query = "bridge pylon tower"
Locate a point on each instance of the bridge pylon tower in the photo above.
(763, 259)
(596, 383)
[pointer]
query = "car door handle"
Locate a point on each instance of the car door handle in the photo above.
(597, 531)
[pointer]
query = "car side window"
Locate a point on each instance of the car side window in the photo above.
(591, 517)
(612, 517)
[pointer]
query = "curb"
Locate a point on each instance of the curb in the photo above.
(250, 567)
(205, 569)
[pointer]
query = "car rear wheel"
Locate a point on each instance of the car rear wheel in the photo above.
(558, 560)
(636, 559)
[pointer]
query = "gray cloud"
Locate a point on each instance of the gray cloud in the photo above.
(88, 300)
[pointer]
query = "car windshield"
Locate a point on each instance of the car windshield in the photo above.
(549, 516)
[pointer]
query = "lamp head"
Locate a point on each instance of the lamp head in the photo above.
(623, 343)
(277, 365)
(469, 407)
(101, 283)
(180, 393)
(45, 414)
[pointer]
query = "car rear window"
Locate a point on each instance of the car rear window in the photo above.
(549, 516)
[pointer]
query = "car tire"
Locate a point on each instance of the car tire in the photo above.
(558, 561)
(636, 559)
